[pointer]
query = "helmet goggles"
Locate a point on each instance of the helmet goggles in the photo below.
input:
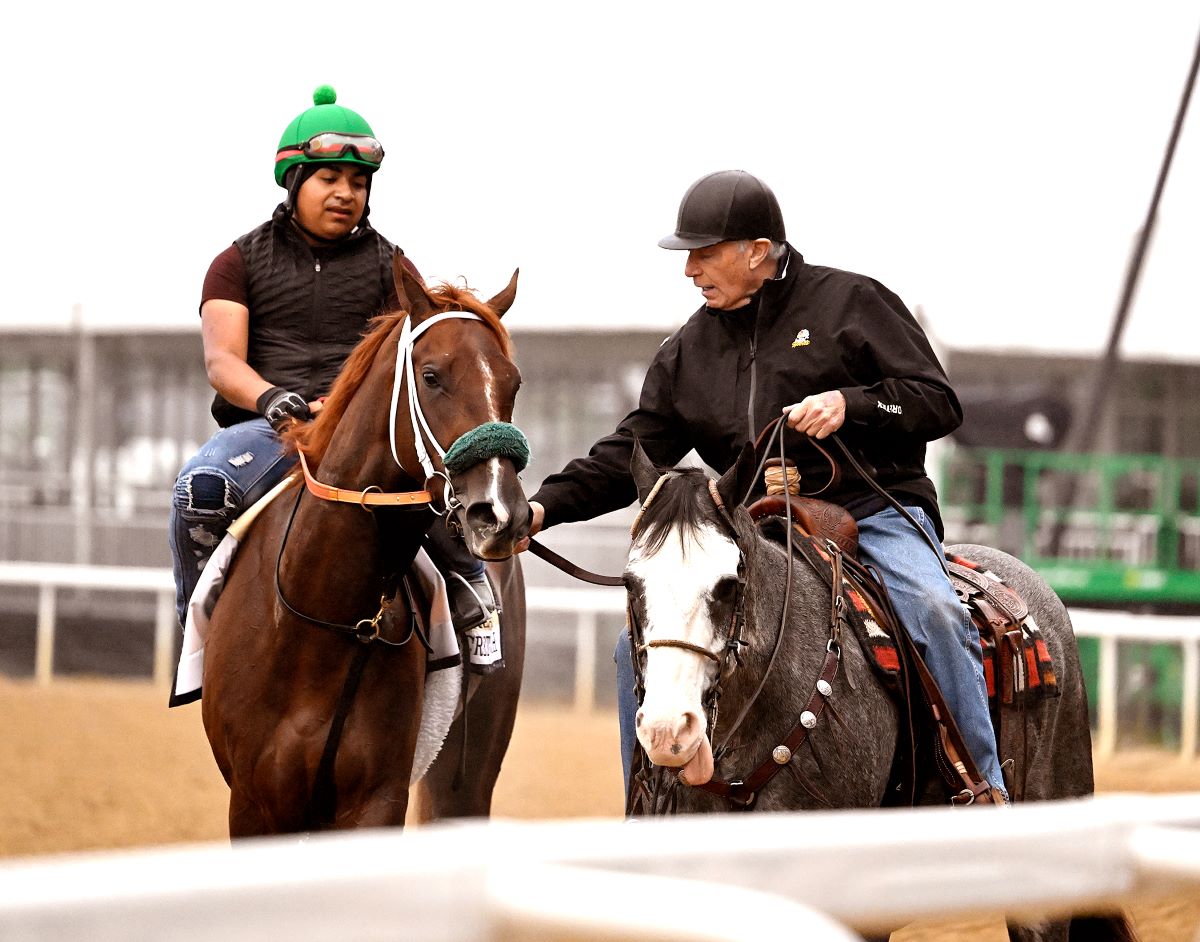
(331, 145)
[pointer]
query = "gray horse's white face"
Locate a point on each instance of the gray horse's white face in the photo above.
(685, 591)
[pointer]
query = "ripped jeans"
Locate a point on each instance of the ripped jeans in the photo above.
(236, 467)
(233, 469)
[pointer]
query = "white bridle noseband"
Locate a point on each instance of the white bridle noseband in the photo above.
(416, 416)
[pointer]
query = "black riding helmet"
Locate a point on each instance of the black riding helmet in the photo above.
(723, 207)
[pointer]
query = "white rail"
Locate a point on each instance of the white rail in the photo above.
(584, 606)
(704, 878)
(48, 578)
(1114, 627)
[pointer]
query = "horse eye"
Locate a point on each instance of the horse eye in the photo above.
(725, 590)
(430, 378)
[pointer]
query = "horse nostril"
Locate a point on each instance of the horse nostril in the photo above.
(481, 516)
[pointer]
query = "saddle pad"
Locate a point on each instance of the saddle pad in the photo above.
(875, 641)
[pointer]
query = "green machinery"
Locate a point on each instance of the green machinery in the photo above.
(1130, 539)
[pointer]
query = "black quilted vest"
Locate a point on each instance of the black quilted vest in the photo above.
(308, 306)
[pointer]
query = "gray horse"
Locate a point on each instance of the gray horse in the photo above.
(687, 565)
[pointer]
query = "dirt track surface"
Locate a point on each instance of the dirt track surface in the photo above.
(90, 765)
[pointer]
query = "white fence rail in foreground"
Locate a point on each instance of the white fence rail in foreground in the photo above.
(723, 877)
(584, 606)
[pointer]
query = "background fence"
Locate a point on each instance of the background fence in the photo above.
(584, 621)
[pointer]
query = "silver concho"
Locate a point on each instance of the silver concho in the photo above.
(824, 688)
(781, 754)
(807, 719)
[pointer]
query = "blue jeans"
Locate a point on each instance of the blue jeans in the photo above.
(929, 608)
(233, 469)
(627, 703)
(938, 622)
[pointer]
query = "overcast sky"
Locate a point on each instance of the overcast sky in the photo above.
(989, 162)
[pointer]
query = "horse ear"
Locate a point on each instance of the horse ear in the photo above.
(504, 300)
(735, 483)
(410, 291)
(645, 474)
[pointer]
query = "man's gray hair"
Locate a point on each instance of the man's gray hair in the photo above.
(775, 252)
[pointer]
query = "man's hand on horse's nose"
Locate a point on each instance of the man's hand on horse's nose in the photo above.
(537, 514)
(817, 416)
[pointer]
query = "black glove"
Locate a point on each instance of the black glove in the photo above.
(280, 407)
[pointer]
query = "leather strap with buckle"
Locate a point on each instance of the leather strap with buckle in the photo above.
(371, 496)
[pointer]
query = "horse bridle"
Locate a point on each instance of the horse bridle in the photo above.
(742, 793)
(731, 650)
(368, 629)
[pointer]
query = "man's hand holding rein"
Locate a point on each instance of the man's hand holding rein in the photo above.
(280, 407)
(817, 416)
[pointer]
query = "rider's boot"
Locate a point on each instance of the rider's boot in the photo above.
(472, 601)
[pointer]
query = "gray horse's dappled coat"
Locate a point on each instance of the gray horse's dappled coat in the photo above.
(847, 758)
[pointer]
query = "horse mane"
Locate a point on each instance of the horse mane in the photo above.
(313, 437)
(682, 502)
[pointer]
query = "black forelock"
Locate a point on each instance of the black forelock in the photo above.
(684, 503)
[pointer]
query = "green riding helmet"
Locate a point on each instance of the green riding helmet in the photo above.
(327, 133)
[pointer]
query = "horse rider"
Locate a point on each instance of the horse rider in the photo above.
(832, 351)
(280, 311)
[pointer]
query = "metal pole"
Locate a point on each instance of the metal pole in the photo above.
(165, 631)
(1189, 734)
(1083, 435)
(43, 658)
(83, 484)
(1107, 733)
(585, 661)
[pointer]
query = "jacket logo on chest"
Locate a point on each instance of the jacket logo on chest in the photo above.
(801, 339)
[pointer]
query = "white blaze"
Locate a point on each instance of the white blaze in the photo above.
(493, 494)
(677, 587)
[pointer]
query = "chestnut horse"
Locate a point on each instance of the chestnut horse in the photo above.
(311, 727)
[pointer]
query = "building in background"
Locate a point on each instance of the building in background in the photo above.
(94, 425)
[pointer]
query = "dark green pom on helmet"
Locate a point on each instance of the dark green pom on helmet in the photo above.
(328, 118)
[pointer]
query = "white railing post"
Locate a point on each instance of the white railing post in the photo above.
(1107, 710)
(43, 657)
(165, 630)
(585, 661)
(1189, 732)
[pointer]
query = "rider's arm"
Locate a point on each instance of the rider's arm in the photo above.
(905, 392)
(225, 327)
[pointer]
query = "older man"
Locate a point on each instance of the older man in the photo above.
(834, 352)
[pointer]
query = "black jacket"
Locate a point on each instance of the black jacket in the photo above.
(308, 306)
(721, 377)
